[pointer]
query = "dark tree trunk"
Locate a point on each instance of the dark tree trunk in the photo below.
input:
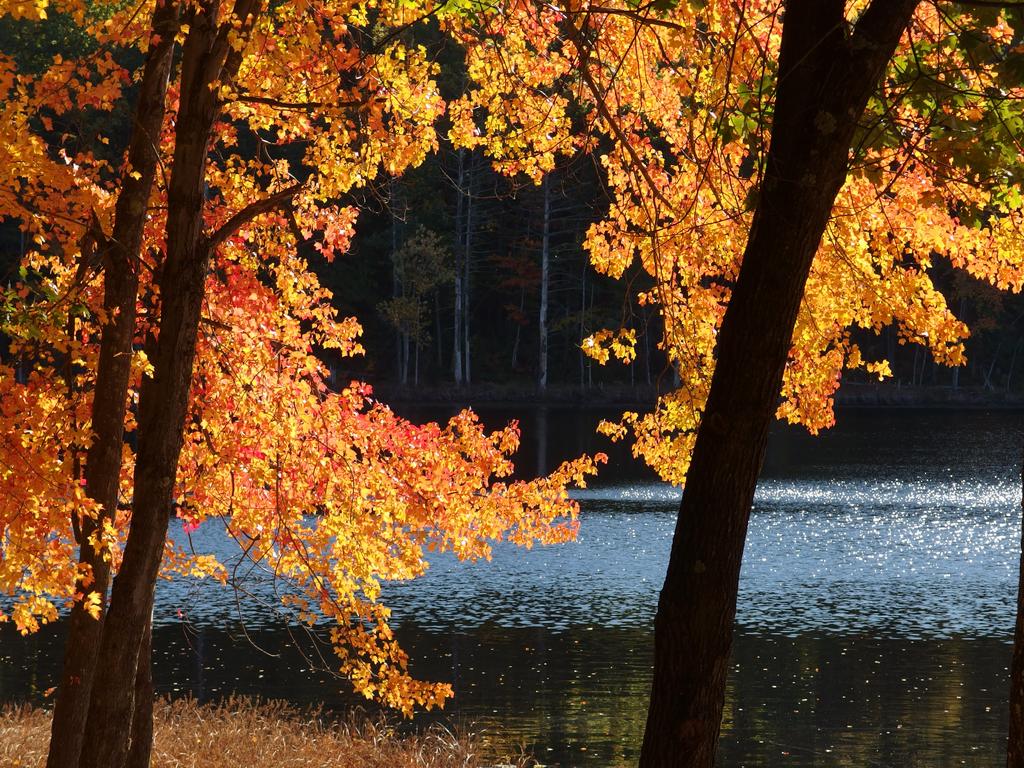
(1015, 745)
(583, 326)
(141, 747)
(460, 242)
(207, 57)
(542, 317)
(103, 461)
(825, 77)
(437, 330)
(467, 265)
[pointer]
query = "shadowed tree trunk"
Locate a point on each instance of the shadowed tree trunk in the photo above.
(401, 338)
(207, 57)
(1015, 745)
(141, 746)
(459, 257)
(545, 258)
(826, 74)
(120, 253)
(467, 265)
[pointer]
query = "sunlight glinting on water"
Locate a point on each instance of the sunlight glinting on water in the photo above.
(876, 603)
(916, 559)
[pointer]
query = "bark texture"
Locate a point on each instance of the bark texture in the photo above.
(120, 255)
(826, 74)
(141, 748)
(459, 257)
(545, 269)
(207, 57)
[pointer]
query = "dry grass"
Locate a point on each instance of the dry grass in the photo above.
(242, 733)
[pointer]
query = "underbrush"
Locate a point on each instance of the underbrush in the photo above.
(240, 732)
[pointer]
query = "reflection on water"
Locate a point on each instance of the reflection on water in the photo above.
(578, 697)
(876, 607)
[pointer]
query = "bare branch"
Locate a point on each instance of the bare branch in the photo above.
(602, 108)
(636, 16)
(296, 105)
(988, 3)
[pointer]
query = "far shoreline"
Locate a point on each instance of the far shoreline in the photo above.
(851, 396)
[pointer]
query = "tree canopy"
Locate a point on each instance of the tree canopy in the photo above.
(685, 93)
(170, 268)
(329, 489)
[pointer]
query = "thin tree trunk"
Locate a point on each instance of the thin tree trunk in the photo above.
(437, 330)
(467, 259)
(992, 367)
(590, 362)
(583, 327)
(956, 371)
(460, 243)
(1013, 364)
(207, 57)
(647, 347)
(406, 342)
(121, 254)
(401, 357)
(822, 70)
(542, 323)
(519, 330)
(891, 349)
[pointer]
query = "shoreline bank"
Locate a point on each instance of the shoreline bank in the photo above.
(850, 395)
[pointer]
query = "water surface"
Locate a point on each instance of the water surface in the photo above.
(875, 612)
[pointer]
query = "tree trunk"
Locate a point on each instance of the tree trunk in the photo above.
(956, 371)
(437, 330)
(406, 343)
(103, 460)
(1013, 364)
(141, 747)
(1015, 745)
(519, 331)
(397, 291)
(542, 323)
(467, 258)
(992, 367)
(822, 71)
(207, 57)
(590, 313)
(459, 256)
(647, 346)
(583, 327)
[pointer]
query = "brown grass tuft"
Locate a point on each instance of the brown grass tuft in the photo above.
(243, 733)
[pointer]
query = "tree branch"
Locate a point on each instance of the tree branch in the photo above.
(987, 3)
(875, 36)
(297, 105)
(575, 36)
(251, 211)
(636, 16)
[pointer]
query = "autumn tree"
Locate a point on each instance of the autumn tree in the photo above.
(168, 295)
(785, 172)
(421, 267)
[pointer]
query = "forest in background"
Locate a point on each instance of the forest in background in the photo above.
(454, 249)
(844, 211)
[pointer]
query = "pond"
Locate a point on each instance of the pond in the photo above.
(875, 614)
